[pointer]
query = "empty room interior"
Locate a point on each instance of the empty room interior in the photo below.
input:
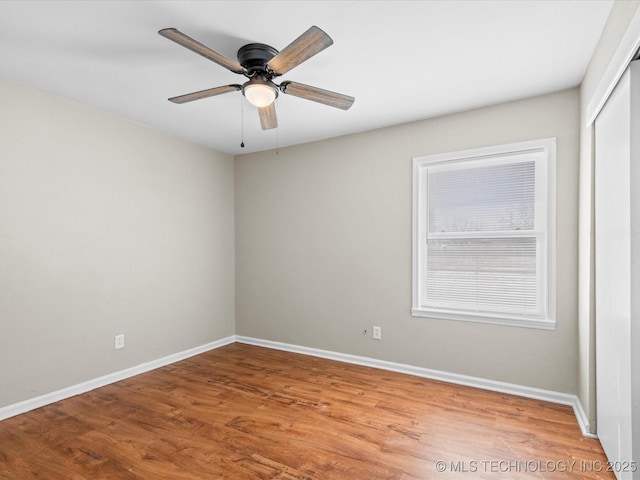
(319, 239)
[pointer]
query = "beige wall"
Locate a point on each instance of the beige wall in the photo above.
(106, 227)
(323, 247)
(619, 19)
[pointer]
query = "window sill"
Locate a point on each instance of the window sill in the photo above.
(508, 321)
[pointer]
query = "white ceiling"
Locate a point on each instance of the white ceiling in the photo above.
(403, 61)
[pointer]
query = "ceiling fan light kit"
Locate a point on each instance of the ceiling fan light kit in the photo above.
(262, 63)
(260, 92)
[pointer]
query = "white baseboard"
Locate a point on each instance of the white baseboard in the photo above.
(48, 398)
(485, 384)
(582, 418)
(502, 387)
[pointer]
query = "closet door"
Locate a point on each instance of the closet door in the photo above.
(617, 219)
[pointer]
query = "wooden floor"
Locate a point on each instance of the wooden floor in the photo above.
(245, 412)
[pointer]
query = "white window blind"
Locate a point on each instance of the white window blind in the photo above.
(482, 198)
(482, 235)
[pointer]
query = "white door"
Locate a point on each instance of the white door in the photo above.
(617, 215)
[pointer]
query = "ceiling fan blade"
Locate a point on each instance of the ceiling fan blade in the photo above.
(195, 46)
(210, 92)
(315, 94)
(268, 118)
(302, 48)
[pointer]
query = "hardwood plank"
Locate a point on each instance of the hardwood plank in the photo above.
(245, 412)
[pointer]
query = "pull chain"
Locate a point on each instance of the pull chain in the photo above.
(241, 123)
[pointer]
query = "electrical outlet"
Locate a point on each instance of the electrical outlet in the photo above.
(119, 341)
(377, 333)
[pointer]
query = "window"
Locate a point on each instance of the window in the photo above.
(484, 235)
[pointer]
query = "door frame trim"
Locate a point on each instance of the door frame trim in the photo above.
(619, 62)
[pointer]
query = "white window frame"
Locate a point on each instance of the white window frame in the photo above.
(544, 150)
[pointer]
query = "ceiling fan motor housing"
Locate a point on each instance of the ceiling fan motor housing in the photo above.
(255, 56)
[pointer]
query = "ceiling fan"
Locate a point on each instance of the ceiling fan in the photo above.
(262, 63)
